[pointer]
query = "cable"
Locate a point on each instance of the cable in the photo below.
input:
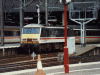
(10, 10)
(41, 3)
(29, 3)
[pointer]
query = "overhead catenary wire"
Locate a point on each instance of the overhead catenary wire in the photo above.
(29, 3)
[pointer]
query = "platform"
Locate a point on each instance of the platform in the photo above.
(80, 50)
(14, 45)
(91, 68)
(6, 51)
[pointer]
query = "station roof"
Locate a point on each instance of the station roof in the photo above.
(13, 5)
(53, 5)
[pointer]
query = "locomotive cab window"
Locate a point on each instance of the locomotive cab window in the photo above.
(31, 30)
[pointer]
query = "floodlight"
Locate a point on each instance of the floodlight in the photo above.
(65, 1)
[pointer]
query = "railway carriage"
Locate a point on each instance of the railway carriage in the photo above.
(44, 38)
(48, 35)
(92, 35)
(11, 34)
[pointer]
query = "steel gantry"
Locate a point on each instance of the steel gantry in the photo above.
(82, 13)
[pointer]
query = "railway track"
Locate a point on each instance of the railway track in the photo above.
(15, 59)
(26, 64)
(5, 60)
(47, 60)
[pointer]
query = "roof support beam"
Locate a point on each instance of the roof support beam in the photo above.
(2, 22)
(46, 13)
(21, 17)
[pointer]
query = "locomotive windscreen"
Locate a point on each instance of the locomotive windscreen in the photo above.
(31, 30)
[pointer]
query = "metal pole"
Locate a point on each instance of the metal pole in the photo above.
(21, 18)
(3, 52)
(84, 34)
(62, 18)
(82, 38)
(66, 56)
(27, 21)
(81, 33)
(46, 13)
(24, 4)
(38, 11)
(2, 22)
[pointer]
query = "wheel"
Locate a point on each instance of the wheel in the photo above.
(43, 47)
(61, 47)
(49, 47)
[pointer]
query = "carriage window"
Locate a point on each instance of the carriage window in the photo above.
(15, 33)
(97, 33)
(18, 33)
(53, 32)
(92, 33)
(0, 33)
(88, 33)
(56, 32)
(8, 33)
(60, 33)
(77, 33)
(44, 32)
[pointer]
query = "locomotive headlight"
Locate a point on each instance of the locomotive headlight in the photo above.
(24, 39)
(34, 39)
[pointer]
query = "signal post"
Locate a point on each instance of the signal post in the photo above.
(66, 55)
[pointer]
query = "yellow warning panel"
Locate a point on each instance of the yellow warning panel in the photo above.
(30, 35)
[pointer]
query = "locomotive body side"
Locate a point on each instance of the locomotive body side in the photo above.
(52, 35)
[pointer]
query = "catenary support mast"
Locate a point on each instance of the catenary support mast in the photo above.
(21, 17)
(2, 22)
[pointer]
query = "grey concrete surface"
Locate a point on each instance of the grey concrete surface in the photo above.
(92, 68)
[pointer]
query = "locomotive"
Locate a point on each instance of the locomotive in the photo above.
(42, 38)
